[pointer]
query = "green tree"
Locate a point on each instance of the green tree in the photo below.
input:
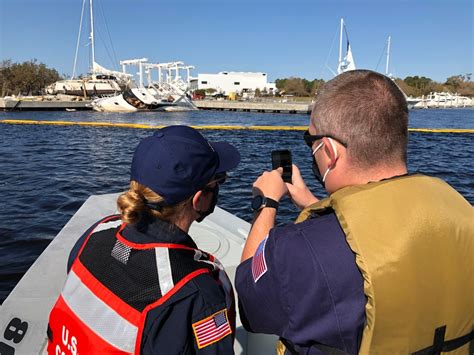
(295, 86)
(27, 78)
(455, 82)
(420, 85)
(316, 84)
(280, 83)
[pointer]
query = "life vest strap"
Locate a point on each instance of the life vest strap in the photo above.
(440, 345)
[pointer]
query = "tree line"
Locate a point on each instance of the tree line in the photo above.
(27, 78)
(412, 85)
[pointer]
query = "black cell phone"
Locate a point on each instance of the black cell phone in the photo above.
(282, 158)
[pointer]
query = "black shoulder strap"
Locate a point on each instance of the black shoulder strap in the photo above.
(296, 350)
(440, 345)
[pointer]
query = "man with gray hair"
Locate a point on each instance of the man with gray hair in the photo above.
(379, 266)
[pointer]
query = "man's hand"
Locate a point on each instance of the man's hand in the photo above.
(299, 192)
(270, 184)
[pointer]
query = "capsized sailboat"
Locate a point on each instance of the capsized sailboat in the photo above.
(168, 93)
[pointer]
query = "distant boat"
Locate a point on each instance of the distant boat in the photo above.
(347, 62)
(444, 100)
(99, 82)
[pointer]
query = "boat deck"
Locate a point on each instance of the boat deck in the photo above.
(221, 234)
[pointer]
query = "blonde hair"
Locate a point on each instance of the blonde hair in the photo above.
(133, 208)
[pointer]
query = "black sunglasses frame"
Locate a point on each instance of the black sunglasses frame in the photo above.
(219, 178)
(310, 139)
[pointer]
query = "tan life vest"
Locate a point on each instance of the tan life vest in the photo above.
(413, 237)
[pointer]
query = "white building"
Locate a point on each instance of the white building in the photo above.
(238, 82)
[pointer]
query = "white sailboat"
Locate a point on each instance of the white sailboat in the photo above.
(411, 101)
(347, 63)
(101, 81)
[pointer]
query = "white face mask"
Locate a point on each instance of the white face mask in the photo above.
(317, 174)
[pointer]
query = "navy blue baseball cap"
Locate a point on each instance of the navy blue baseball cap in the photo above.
(177, 161)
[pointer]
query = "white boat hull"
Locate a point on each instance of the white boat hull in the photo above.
(444, 100)
(138, 99)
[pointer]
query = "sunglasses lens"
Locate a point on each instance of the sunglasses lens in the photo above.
(308, 139)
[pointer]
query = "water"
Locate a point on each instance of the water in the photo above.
(47, 172)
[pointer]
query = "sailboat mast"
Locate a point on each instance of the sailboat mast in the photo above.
(92, 35)
(78, 40)
(340, 42)
(388, 56)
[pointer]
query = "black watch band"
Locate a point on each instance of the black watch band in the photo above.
(259, 202)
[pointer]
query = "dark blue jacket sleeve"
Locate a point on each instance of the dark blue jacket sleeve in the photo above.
(261, 305)
(312, 290)
(168, 329)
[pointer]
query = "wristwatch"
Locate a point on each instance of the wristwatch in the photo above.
(260, 202)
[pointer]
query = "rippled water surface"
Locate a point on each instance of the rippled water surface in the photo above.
(47, 172)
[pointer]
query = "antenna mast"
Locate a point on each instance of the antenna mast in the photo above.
(340, 42)
(388, 56)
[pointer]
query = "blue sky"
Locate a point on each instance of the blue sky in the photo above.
(433, 38)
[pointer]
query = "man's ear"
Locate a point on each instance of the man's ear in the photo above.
(330, 150)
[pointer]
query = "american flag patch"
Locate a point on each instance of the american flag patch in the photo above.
(212, 329)
(259, 265)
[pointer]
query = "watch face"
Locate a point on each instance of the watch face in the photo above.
(257, 202)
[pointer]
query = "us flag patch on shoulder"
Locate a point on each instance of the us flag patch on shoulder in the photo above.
(259, 264)
(212, 329)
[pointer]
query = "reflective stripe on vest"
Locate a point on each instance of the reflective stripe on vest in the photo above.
(163, 266)
(98, 316)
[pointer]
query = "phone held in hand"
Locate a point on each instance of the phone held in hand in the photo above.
(282, 158)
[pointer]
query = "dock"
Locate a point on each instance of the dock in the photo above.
(37, 104)
(249, 106)
(28, 104)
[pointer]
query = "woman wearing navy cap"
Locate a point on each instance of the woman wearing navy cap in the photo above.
(137, 282)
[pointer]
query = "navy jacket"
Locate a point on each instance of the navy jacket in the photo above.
(303, 285)
(168, 328)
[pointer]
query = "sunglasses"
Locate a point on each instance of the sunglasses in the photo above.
(310, 139)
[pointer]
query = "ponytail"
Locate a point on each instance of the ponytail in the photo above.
(133, 208)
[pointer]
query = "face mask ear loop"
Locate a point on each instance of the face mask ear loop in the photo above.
(335, 159)
(318, 147)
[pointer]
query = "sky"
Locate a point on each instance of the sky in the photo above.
(298, 38)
